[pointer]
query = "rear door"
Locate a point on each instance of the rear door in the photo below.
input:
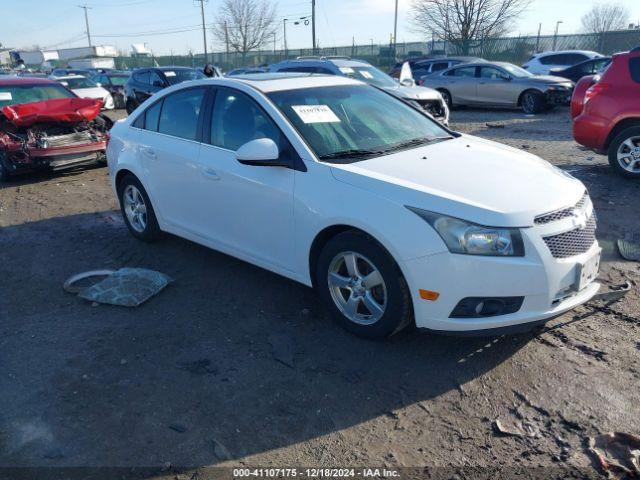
(168, 148)
(462, 84)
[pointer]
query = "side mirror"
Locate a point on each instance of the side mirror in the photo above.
(157, 83)
(98, 84)
(262, 152)
(408, 82)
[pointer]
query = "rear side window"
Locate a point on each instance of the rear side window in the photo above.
(550, 60)
(179, 114)
(462, 72)
(634, 69)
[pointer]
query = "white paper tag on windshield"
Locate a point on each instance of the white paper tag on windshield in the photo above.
(4, 96)
(169, 74)
(315, 113)
(366, 74)
(346, 70)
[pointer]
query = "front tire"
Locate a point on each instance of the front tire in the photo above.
(137, 210)
(130, 106)
(532, 102)
(362, 286)
(624, 153)
(446, 96)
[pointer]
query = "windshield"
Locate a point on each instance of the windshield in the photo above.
(370, 75)
(118, 80)
(80, 82)
(178, 76)
(516, 71)
(14, 94)
(347, 123)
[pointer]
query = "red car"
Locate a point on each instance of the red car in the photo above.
(45, 125)
(608, 116)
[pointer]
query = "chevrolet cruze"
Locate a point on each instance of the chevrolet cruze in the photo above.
(338, 185)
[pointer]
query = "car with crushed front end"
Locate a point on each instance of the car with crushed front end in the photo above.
(499, 84)
(392, 217)
(44, 125)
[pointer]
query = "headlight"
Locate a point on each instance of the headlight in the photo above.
(469, 238)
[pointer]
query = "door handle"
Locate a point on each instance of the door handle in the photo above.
(210, 173)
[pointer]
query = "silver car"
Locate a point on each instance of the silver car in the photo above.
(499, 84)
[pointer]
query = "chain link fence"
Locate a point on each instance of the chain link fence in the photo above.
(509, 49)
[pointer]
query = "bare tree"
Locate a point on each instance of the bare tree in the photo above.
(461, 21)
(245, 25)
(605, 17)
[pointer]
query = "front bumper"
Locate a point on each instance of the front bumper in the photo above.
(547, 283)
(558, 97)
(53, 158)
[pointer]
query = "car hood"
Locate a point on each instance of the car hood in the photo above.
(414, 93)
(468, 178)
(70, 110)
(545, 79)
(94, 92)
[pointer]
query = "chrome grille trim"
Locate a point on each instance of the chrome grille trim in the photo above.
(574, 242)
(560, 214)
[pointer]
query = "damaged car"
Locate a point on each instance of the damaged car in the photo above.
(44, 125)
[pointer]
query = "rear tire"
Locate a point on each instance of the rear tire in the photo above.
(532, 102)
(362, 286)
(137, 210)
(624, 153)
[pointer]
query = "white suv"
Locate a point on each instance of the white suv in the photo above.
(339, 185)
(543, 63)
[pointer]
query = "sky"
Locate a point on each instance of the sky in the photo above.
(60, 23)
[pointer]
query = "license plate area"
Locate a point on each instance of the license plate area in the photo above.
(588, 271)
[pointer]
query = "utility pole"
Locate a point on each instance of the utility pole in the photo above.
(555, 35)
(395, 29)
(538, 39)
(86, 21)
(284, 23)
(313, 26)
(204, 33)
(226, 37)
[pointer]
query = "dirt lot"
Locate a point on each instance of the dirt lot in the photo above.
(234, 365)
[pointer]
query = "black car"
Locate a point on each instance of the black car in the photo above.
(579, 70)
(144, 82)
(113, 81)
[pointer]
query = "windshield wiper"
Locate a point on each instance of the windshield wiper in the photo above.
(350, 154)
(414, 142)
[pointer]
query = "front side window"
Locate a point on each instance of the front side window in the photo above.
(179, 114)
(142, 77)
(550, 60)
(439, 66)
(634, 69)
(237, 119)
(352, 122)
(155, 80)
(492, 73)
(467, 72)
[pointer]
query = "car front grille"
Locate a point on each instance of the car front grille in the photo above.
(574, 242)
(560, 214)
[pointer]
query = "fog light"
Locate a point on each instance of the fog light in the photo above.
(476, 307)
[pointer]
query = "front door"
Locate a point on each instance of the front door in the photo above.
(246, 209)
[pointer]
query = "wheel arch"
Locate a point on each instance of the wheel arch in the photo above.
(619, 127)
(329, 232)
(526, 90)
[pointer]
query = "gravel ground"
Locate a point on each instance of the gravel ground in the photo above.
(233, 365)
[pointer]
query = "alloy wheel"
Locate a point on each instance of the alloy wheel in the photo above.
(357, 288)
(135, 208)
(628, 155)
(528, 103)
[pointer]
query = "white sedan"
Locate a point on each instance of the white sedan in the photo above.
(335, 184)
(85, 88)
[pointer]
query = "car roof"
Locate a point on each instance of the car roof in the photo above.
(275, 82)
(169, 68)
(70, 77)
(562, 52)
(337, 61)
(26, 81)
